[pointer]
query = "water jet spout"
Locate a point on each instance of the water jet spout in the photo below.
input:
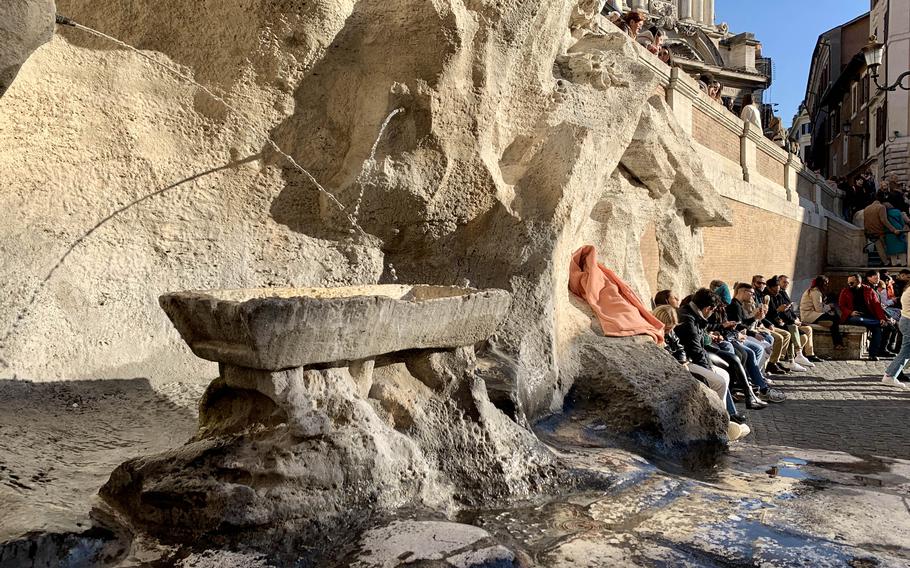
(62, 20)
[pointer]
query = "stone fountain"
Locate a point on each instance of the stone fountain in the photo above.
(331, 405)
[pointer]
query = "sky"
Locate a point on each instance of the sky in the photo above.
(788, 30)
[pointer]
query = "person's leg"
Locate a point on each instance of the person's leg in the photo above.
(832, 322)
(875, 330)
(809, 349)
(800, 341)
(718, 381)
(726, 347)
(900, 361)
(752, 355)
(739, 379)
(880, 248)
(888, 332)
(761, 349)
(777, 346)
(897, 340)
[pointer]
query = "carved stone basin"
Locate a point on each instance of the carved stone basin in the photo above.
(274, 328)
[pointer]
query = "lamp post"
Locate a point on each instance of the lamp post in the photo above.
(873, 53)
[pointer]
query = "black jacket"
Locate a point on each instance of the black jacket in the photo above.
(781, 299)
(674, 347)
(691, 333)
(737, 312)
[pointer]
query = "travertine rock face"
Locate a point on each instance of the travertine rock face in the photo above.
(305, 451)
(277, 329)
(24, 26)
(525, 134)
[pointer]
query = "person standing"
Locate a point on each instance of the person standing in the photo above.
(750, 112)
(900, 361)
(876, 224)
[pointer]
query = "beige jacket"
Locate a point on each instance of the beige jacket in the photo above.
(812, 306)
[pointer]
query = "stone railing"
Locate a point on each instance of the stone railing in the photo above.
(746, 153)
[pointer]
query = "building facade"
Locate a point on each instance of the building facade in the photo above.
(855, 125)
(890, 111)
(839, 102)
(801, 133)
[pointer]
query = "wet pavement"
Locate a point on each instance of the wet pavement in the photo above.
(840, 406)
(762, 505)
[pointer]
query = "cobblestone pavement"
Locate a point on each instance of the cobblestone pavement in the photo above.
(840, 406)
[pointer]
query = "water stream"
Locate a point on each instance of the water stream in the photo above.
(354, 229)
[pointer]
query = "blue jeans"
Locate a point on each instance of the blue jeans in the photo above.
(753, 356)
(875, 328)
(896, 366)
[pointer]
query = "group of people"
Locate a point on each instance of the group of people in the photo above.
(884, 215)
(733, 340)
(633, 23)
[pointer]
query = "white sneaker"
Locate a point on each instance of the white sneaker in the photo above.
(734, 431)
(791, 365)
(801, 359)
(744, 430)
(892, 382)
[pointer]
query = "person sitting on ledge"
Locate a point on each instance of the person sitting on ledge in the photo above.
(889, 330)
(692, 333)
(780, 340)
(652, 39)
(814, 309)
(859, 305)
(784, 317)
(736, 313)
(726, 355)
(748, 355)
(632, 23)
(666, 298)
(713, 377)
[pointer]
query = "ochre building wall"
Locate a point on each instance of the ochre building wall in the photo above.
(759, 242)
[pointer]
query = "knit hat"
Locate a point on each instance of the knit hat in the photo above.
(724, 292)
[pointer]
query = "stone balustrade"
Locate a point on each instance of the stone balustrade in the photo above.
(768, 188)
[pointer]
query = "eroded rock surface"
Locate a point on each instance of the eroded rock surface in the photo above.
(524, 132)
(633, 390)
(309, 450)
(24, 26)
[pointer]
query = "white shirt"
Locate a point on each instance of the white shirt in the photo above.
(750, 114)
(905, 303)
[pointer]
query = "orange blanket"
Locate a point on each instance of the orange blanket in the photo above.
(620, 312)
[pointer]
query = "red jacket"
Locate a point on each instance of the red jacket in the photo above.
(845, 302)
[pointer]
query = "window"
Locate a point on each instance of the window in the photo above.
(834, 164)
(866, 86)
(835, 122)
(846, 148)
(881, 118)
(854, 99)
